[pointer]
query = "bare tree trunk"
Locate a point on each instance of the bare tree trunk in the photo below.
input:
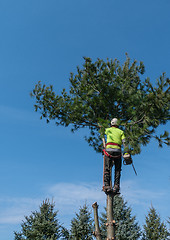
(110, 222)
(110, 197)
(97, 233)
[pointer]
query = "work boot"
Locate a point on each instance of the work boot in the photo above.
(116, 189)
(107, 189)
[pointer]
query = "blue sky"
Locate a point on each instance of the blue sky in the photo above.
(46, 40)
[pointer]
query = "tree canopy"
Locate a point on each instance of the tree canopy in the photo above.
(102, 90)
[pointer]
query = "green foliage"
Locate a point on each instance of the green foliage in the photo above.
(42, 225)
(82, 225)
(103, 90)
(154, 229)
(65, 233)
(168, 221)
(126, 226)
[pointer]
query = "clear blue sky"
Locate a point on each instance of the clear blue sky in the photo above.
(46, 40)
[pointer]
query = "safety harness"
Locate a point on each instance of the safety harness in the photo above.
(109, 155)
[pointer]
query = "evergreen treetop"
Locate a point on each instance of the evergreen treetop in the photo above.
(154, 229)
(40, 225)
(82, 225)
(168, 221)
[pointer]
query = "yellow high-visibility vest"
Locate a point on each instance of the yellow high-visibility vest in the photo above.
(114, 135)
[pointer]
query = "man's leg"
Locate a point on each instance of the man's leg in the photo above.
(118, 165)
(107, 174)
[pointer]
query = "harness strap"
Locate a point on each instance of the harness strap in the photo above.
(115, 144)
(109, 155)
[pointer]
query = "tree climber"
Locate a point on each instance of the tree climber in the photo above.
(112, 152)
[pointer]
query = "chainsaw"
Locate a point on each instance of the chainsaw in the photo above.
(128, 160)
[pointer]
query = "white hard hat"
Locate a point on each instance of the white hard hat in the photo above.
(114, 121)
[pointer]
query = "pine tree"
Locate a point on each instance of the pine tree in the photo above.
(82, 225)
(42, 225)
(154, 229)
(168, 221)
(103, 90)
(65, 233)
(126, 226)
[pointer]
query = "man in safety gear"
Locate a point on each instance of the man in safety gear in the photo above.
(112, 152)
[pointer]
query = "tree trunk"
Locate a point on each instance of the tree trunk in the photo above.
(97, 233)
(110, 222)
(110, 197)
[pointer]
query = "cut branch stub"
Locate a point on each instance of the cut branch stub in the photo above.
(97, 233)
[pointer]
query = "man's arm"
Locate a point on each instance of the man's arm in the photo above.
(126, 149)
